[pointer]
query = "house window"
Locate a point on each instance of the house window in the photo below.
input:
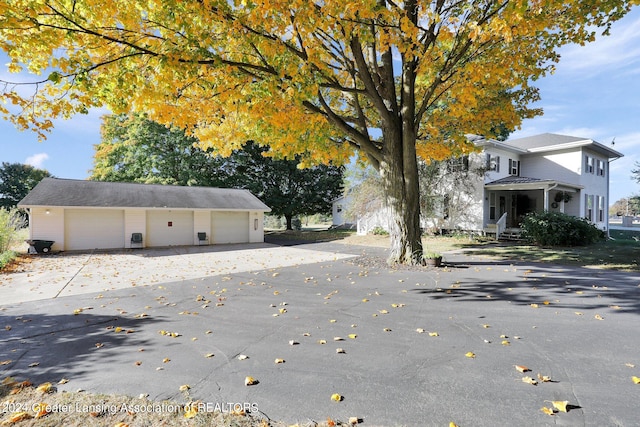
(588, 203)
(339, 208)
(601, 209)
(588, 164)
(514, 167)
(458, 164)
(492, 205)
(493, 163)
(600, 169)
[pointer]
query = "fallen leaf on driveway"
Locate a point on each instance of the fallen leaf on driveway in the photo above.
(336, 397)
(529, 380)
(560, 405)
(250, 381)
(598, 317)
(470, 354)
(547, 411)
(279, 361)
(521, 368)
(544, 378)
(636, 380)
(434, 334)
(420, 331)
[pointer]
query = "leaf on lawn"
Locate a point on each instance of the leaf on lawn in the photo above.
(45, 387)
(190, 411)
(547, 411)
(529, 380)
(521, 368)
(636, 380)
(336, 397)
(470, 354)
(18, 416)
(560, 405)
(279, 361)
(41, 409)
(250, 381)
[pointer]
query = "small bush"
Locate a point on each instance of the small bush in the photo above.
(11, 222)
(558, 229)
(6, 258)
(379, 231)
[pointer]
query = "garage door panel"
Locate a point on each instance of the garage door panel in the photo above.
(230, 227)
(93, 229)
(169, 228)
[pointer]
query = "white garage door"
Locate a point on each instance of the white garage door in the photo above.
(169, 228)
(230, 227)
(93, 229)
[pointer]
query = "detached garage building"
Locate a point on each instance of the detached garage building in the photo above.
(80, 215)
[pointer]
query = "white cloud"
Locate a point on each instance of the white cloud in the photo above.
(37, 160)
(618, 52)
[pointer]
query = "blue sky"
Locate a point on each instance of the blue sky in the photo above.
(594, 93)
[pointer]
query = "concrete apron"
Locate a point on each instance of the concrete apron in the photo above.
(76, 273)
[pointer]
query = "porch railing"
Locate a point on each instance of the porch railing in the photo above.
(501, 225)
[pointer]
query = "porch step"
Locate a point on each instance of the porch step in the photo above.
(511, 234)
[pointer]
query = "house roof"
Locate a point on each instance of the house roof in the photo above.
(56, 192)
(526, 183)
(552, 142)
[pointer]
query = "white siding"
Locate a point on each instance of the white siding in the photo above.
(169, 228)
(230, 227)
(563, 166)
(256, 227)
(93, 229)
(201, 224)
(135, 221)
(47, 224)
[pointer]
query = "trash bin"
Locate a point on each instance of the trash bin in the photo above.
(40, 246)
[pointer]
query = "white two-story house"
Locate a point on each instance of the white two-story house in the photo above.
(546, 172)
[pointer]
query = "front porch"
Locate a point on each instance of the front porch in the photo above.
(508, 200)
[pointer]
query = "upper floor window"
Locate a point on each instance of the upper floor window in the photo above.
(588, 164)
(458, 164)
(514, 167)
(600, 169)
(493, 162)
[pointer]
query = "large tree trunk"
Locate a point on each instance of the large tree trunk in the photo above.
(400, 177)
(289, 219)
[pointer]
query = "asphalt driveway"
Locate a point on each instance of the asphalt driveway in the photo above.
(419, 347)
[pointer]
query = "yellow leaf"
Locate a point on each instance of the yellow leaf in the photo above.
(209, 355)
(387, 330)
(332, 321)
(452, 424)
(354, 420)
(579, 313)
(529, 380)
(336, 397)
(185, 387)
(279, 361)
(19, 416)
(282, 310)
(190, 411)
(522, 368)
(534, 305)
(118, 329)
(45, 387)
(353, 336)
(166, 360)
(544, 378)
(365, 300)
(547, 411)
(598, 317)
(505, 342)
(434, 334)
(41, 409)
(470, 354)
(486, 326)
(560, 405)
(250, 381)
(636, 380)
(322, 341)
(383, 311)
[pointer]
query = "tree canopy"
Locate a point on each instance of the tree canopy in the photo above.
(391, 80)
(16, 180)
(136, 149)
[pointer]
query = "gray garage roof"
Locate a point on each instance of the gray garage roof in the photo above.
(77, 193)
